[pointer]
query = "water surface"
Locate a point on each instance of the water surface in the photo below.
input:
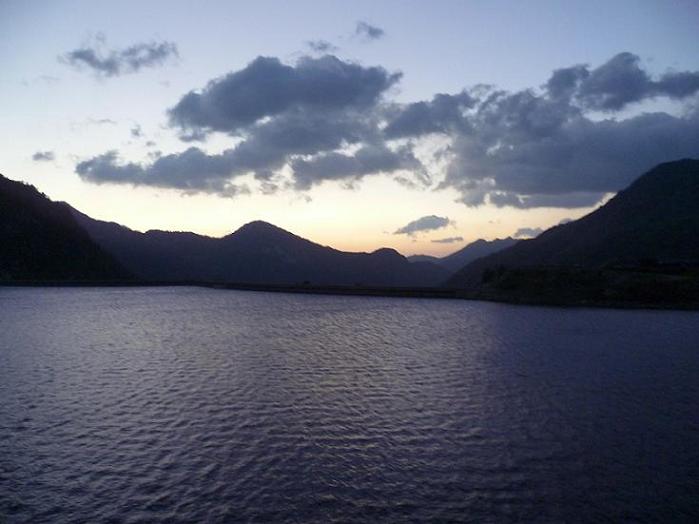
(187, 404)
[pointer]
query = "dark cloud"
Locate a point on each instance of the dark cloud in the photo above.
(527, 232)
(44, 156)
(367, 31)
(564, 82)
(617, 83)
(136, 131)
(266, 87)
(268, 147)
(191, 171)
(443, 114)
(447, 240)
(426, 223)
(115, 62)
(302, 132)
(571, 165)
(321, 46)
(541, 148)
(327, 119)
(303, 116)
(367, 160)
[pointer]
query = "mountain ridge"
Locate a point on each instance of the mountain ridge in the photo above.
(41, 240)
(470, 252)
(257, 252)
(640, 248)
(637, 245)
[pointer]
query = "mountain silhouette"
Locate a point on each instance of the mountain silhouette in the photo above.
(257, 253)
(465, 255)
(650, 228)
(640, 248)
(40, 240)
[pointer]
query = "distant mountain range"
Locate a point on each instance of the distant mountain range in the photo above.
(467, 254)
(257, 253)
(640, 248)
(642, 245)
(41, 240)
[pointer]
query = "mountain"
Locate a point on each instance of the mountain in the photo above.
(465, 255)
(40, 240)
(647, 236)
(475, 250)
(424, 258)
(257, 253)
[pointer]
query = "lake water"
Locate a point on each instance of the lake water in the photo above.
(198, 405)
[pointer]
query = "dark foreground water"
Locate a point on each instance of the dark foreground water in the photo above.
(186, 404)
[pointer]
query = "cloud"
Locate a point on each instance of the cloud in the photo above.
(116, 62)
(426, 223)
(136, 131)
(266, 87)
(548, 147)
(565, 144)
(44, 156)
(621, 81)
(527, 232)
(571, 164)
(191, 171)
(269, 146)
(443, 114)
(367, 160)
(447, 240)
(617, 83)
(367, 31)
(321, 46)
(305, 116)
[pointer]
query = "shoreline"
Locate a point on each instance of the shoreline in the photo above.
(371, 291)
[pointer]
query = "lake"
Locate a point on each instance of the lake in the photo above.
(197, 405)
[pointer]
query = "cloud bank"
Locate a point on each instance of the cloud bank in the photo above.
(545, 148)
(304, 115)
(580, 135)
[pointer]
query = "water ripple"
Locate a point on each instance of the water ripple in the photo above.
(194, 405)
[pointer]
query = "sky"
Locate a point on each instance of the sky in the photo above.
(420, 126)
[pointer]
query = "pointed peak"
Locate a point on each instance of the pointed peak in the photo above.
(258, 226)
(259, 229)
